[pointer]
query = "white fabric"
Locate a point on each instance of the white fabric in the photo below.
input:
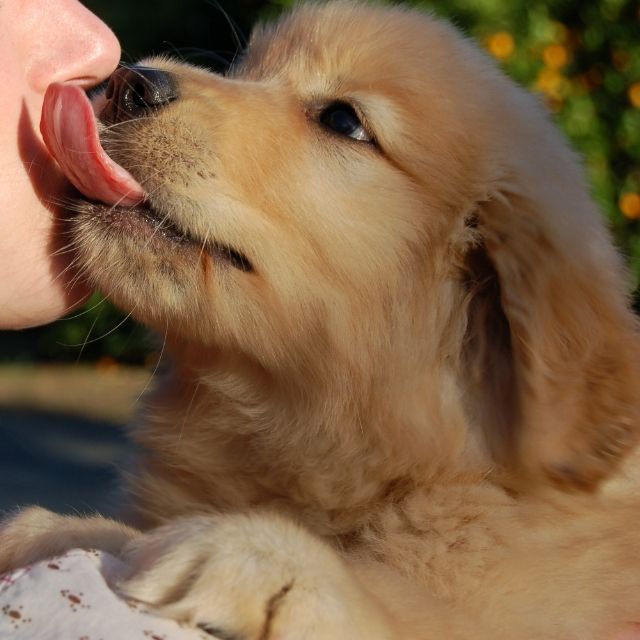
(69, 598)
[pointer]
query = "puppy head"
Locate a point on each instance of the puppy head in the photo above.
(364, 202)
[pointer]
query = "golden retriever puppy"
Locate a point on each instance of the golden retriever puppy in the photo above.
(402, 358)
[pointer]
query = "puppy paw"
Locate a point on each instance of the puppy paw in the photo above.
(250, 577)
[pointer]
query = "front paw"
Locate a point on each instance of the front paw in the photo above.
(250, 577)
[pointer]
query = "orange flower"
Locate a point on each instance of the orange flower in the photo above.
(634, 94)
(555, 56)
(552, 83)
(501, 45)
(630, 205)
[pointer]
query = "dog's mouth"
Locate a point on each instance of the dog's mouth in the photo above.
(70, 131)
(144, 220)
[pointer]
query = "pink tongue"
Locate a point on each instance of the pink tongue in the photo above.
(68, 126)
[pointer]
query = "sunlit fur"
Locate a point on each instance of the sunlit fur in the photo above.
(432, 365)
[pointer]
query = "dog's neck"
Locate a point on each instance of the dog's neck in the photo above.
(230, 438)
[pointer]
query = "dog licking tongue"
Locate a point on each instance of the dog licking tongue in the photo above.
(68, 126)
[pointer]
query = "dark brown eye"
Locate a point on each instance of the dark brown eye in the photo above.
(343, 119)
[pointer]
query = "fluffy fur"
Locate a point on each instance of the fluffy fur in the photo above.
(411, 418)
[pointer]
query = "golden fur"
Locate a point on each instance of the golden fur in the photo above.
(412, 418)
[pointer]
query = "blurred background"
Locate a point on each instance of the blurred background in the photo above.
(66, 389)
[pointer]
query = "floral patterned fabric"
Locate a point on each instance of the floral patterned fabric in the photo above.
(69, 598)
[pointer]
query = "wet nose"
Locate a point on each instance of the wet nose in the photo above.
(135, 91)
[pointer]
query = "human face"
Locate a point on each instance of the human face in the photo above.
(41, 41)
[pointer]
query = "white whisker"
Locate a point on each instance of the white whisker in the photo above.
(155, 369)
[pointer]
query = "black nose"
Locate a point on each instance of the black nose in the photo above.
(134, 91)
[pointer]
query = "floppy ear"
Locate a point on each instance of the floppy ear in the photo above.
(551, 355)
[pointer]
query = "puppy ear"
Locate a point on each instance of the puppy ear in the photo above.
(551, 355)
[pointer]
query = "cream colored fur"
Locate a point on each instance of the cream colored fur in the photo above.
(415, 418)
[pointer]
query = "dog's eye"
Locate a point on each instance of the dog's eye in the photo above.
(343, 119)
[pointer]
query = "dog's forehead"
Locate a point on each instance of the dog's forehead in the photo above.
(418, 81)
(348, 45)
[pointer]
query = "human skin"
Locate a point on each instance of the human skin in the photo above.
(41, 41)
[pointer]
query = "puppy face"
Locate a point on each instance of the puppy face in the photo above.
(312, 188)
(364, 202)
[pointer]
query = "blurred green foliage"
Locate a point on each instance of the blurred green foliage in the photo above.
(582, 56)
